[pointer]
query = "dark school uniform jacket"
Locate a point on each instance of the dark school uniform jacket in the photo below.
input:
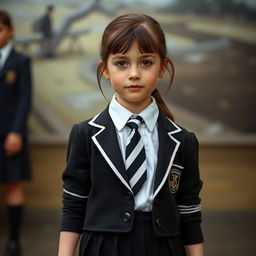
(15, 93)
(97, 195)
(46, 26)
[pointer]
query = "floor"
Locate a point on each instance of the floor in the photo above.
(229, 203)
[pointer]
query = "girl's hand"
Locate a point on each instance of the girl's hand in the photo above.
(13, 143)
(195, 250)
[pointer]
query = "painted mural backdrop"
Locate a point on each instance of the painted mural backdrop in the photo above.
(212, 44)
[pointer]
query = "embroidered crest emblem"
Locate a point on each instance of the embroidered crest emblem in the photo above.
(174, 180)
(10, 77)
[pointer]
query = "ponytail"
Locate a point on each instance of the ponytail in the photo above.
(156, 94)
(161, 104)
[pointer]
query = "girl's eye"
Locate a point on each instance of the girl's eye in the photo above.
(146, 63)
(121, 64)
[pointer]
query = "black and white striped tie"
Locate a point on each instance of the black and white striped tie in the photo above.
(135, 157)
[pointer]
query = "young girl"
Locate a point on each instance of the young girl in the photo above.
(131, 185)
(15, 98)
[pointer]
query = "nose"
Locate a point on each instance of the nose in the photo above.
(134, 73)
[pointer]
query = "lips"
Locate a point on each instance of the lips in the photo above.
(135, 86)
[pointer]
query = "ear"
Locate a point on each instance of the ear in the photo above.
(163, 67)
(104, 70)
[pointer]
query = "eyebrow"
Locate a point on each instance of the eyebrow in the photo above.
(141, 56)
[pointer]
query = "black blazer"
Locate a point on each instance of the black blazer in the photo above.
(97, 195)
(46, 26)
(15, 93)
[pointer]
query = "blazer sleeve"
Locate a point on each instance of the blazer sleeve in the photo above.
(188, 200)
(76, 183)
(24, 97)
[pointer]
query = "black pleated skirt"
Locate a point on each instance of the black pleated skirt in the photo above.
(141, 241)
(14, 168)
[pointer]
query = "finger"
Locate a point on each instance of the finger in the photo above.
(11, 150)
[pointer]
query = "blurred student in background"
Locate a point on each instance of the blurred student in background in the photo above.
(15, 102)
(47, 31)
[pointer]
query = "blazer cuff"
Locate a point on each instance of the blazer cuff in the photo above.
(191, 233)
(21, 132)
(71, 225)
(73, 213)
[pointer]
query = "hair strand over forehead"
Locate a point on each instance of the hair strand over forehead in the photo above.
(124, 30)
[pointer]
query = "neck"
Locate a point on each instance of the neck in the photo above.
(134, 107)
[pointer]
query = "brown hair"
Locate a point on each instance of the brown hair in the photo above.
(122, 32)
(5, 18)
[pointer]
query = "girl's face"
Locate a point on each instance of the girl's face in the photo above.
(133, 76)
(6, 33)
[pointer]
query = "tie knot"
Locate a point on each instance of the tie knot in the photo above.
(134, 122)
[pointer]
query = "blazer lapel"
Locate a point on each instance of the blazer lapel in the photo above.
(106, 141)
(168, 146)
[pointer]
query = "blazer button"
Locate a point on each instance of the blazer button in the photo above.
(127, 217)
(129, 196)
(158, 222)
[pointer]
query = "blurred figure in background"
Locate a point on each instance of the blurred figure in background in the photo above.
(46, 28)
(47, 31)
(15, 102)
